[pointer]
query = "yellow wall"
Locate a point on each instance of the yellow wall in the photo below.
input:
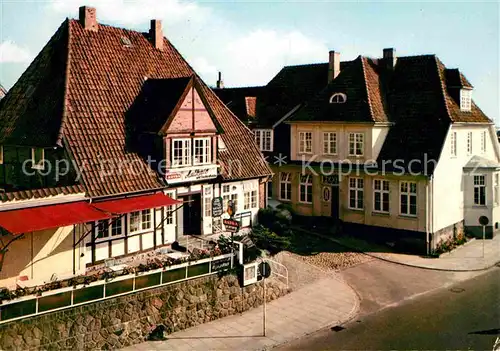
(367, 216)
(40, 254)
(374, 136)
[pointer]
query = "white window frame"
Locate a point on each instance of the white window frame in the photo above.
(263, 135)
(483, 142)
(206, 148)
(355, 140)
(469, 143)
(250, 199)
(453, 144)
(169, 211)
(141, 222)
(408, 194)
(229, 193)
(479, 182)
(330, 143)
(305, 143)
(338, 98)
(285, 181)
(207, 202)
(306, 188)
(110, 223)
(356, 188)
(186, 157)
(41, 163)
(382, 188)
(465, 100)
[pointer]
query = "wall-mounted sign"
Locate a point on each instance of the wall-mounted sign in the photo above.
(250, 273)
(231, 225)
(327, 193)
(221, 264)
(217, 207)
(230, 208)
(190, 174)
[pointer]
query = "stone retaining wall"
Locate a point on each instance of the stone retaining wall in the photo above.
(129, 319)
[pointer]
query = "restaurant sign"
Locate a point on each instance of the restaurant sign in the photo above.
(231, 225)
(181, 175)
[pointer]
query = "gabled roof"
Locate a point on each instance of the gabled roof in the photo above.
(455, 78)
(3, 91)
(360, 84)
(477, 162)
(84, 83)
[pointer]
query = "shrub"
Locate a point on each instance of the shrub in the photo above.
(266, 239)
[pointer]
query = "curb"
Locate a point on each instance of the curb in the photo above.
(394, 261)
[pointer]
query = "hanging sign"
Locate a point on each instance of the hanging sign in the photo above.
(217, 207)
(231, 225)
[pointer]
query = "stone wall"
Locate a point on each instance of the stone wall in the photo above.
(446, 233)
(129, 319)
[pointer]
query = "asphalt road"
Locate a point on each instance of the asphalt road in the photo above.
(464, 316)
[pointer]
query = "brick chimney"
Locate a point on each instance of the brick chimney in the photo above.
(390, 58)
(333, 65)
(156, 34)
(87, 18)
(220, 83)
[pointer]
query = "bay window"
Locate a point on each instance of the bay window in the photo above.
(188, 152)
(479, 190)
(202, 151)
(181, 152)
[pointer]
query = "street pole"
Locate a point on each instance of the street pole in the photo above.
(484, 237)
(264, 304)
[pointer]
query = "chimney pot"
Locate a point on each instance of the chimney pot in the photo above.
(156, 34)
(220, 83)
(87, 18)
(333, 65)
(390, 58)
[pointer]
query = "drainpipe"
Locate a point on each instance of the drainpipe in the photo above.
(427, 220)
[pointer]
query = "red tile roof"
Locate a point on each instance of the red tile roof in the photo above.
(40, 193)
(84, 84)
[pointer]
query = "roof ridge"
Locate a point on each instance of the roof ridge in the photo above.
(66, 80)
(370, 107)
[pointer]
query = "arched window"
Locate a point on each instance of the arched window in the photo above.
(338, 98)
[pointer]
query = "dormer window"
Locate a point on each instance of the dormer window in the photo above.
(38, 158)
(465, 99)
(338, 98)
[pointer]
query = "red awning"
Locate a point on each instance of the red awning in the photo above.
(136, 203)
(51, 216)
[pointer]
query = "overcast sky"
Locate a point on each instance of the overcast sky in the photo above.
(249, 41)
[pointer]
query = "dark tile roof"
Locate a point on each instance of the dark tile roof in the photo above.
(40, 193)
(455, 78)
(94, 80)
(235, 100)
(360, 83)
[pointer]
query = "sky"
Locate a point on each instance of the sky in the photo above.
(250, 41)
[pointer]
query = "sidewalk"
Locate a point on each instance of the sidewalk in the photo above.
(468, 257)
(326, 302)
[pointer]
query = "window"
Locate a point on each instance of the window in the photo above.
(356, 144)
(169, 219)
(285, 186)
(108, 228)
(202, 151)
(146, 219)
(483, 142)
(469, 143)
(381, 195)
(306, 188)
(453, 144)
(305, 142)
(229, 194)
(135, 221)
(181, 152)
(338, 98)
(356, 186)
(250, 199)
(408, 198)
(330, 143)
(479, 190)
(207, 201)
(270, 189)
(37, 156)
(264, 139)
(465, 99)
(495, 190)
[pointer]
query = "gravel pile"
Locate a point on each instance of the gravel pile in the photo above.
(334, 260)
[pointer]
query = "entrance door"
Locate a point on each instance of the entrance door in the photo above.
(192, 214)
(335, 202)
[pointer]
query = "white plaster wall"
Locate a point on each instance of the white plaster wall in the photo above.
(448, 181)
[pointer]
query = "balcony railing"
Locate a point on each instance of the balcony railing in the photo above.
(63, 298)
